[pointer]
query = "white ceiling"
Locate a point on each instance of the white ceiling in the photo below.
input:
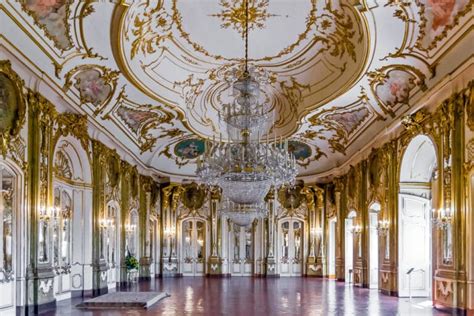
(149, 73)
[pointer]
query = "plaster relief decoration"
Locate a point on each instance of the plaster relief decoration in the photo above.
(62, 166)
(142, 122)
(340, 126)
(437, 18)
(12, 109)
(232, 15)
(322, 49)
(96, 84)
(392, 86)
(52, 16)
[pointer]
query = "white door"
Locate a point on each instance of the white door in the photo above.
(348, 251)
(374, 251)
(332, 249)
(290, 241)
(241, 250)
(415, 246)
(193, 250)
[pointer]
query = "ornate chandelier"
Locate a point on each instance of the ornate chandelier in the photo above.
(245, 166)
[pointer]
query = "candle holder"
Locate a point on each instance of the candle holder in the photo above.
(356, 230)
(383, 227)
(442, 218)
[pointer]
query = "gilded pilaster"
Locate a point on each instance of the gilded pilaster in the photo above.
(40, 276)
(340, 273)
(125, 171)
(270, 228)
(312, 268)
(319, 221)
(214, 263)
(144, 229)
(169, 260)
(99, 265)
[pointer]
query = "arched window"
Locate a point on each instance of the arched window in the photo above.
(132, 233)
(61, 227)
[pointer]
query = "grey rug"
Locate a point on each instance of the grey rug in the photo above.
(123, 300)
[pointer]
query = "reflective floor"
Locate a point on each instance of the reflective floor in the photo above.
(254, 296)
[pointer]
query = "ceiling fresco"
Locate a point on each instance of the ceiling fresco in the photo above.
(152, 74)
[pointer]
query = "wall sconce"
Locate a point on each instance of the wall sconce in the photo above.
(356, 230)
(383, 227)
(46, 213)
(106, 222)
(442, 217)
(130, 227)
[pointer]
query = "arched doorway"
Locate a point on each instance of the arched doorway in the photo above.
(332, 248)
(12, 242)
(69, 223)
(290, 246)
(374, 211)
(349, 247)
(193, 246)
(414, 218)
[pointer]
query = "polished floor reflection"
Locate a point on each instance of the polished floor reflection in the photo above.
(253, 296)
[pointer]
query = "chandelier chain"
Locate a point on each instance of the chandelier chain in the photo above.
(246, 34)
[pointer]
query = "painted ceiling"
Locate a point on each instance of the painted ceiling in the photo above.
(150, 74)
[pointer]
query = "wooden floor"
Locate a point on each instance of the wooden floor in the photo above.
(258, 296)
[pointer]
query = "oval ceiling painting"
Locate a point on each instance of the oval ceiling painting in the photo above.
(189, 148)
(300, 150)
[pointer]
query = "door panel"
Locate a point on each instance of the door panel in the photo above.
(374, 251)
(241, 250)
(193, 247)
(414, 219)
(290, 251)
(349, 250)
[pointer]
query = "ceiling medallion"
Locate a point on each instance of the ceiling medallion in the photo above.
(232, 15)
(244, 166)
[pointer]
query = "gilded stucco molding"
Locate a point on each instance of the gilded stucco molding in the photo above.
(141, 121)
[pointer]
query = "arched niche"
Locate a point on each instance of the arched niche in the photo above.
(419, 160)
(77, 157)
(70, 225)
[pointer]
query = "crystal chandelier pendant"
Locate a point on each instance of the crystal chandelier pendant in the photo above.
(244, 166)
